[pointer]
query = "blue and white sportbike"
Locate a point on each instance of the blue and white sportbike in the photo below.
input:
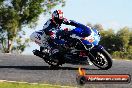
(77, 47)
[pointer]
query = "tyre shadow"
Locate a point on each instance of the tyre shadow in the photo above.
(44, 68)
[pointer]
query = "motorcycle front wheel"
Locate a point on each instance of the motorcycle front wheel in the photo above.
(102, 59)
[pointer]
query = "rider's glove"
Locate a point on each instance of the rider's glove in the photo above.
(65, 21)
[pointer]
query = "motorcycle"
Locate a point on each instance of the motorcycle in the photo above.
(77, 48)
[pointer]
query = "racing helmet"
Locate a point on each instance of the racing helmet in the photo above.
(57, 16)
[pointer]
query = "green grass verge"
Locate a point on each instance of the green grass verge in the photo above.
(118, 58)
(27, 85)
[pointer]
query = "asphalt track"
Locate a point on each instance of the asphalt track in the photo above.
(32, 69)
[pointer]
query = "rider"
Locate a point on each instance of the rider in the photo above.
(55, 23)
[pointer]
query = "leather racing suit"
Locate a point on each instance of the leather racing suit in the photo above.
(50, 26)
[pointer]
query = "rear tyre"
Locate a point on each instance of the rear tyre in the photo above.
(45, 56)
(49, 60)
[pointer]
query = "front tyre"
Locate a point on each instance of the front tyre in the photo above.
(102, 59)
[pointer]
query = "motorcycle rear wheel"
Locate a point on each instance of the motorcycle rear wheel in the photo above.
(51, 62)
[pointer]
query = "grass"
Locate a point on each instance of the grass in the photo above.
(118, 58)
(27, 85)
